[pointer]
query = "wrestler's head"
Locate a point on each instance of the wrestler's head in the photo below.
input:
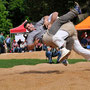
(29, 26)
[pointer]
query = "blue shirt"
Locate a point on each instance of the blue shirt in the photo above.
(8, 40)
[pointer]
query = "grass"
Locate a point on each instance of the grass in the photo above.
(14, 62)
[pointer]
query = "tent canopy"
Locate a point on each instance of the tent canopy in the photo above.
(19, 29)
(84, 25)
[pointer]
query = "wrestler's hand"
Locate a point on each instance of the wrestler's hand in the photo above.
(36, 41)
(49, 26)
(46, 23)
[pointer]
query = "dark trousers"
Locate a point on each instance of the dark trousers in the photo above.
(2, 49)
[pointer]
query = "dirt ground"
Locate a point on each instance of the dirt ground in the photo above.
(45, 76)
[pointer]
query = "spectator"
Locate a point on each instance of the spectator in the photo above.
(23, 47)
(15, 47)
(88, 39)
(84, 42)
(44, 47)
(19, 42)
(39, 47)
(84, 35)
(2, 42)
(52, 52)
(8, 42)
(25, 44)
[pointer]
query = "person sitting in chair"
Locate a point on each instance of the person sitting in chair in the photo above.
(52, 52)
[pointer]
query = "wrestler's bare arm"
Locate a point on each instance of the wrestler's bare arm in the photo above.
(31, 46)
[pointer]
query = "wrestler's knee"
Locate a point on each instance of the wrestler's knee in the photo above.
(69, 43)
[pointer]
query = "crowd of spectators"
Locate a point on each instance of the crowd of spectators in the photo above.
(8, 46)
(19, 46)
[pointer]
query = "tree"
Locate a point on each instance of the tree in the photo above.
(16, 11)
(34, 10)
(5, 23)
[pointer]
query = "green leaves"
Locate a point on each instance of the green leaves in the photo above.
(5, 23)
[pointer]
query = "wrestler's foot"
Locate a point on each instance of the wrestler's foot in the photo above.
(77, 7)
(57, 62)
(65, 54)
(51, 62)
(65, 62)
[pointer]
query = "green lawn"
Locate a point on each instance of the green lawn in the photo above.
(15, 62)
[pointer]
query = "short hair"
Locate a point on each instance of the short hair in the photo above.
(26, 23)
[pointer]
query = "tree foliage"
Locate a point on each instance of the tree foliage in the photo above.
(16, 11)
(33, 10)
(5, 23)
